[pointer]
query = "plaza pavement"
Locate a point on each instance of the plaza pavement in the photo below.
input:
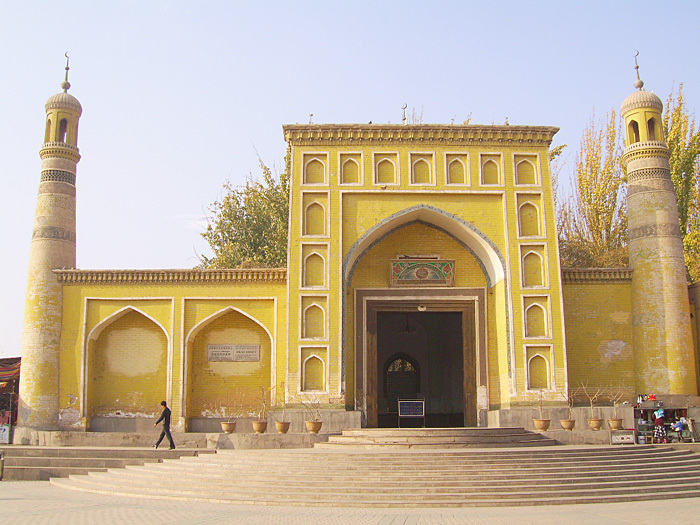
(40, 503)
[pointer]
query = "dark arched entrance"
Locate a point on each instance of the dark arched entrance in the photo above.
(420, 356)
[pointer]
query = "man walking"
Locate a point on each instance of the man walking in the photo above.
(165, 418)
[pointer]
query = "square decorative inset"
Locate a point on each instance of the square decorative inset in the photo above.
(422, 272)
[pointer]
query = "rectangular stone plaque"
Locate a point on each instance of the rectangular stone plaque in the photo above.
(233, 352)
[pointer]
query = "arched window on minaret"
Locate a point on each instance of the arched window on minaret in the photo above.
(62, 129)
(651, 129)
(633, 132)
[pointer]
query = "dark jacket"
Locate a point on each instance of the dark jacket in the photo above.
(165, 418)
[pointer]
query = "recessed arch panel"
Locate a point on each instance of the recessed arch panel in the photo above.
(538, 373)
(313, 374)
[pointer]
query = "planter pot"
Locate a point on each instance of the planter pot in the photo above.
(615, 424)
(541, 424)
(595, 423)
(282, 426)
(313, 426)
(228, 426)
(259, 426)
(567, 424)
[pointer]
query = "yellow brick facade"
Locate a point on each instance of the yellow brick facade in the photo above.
(393, 231)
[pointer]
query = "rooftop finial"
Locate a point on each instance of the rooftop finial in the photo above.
(403, 118)
(637, 83)
(65, 85)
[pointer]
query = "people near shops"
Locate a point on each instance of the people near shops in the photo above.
(659, 429)
(678, 427)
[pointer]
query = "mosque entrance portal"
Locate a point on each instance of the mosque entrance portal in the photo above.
(428, 348)
(420, 355)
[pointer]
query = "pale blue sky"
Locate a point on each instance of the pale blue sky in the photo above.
(178, 96)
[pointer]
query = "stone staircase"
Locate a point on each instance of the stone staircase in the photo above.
(27, 463)
(410, 478)
(432, 438)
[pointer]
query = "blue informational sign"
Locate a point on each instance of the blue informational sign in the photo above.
(411, 408)
(5, 434)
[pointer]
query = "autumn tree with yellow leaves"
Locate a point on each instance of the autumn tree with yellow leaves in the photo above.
(683, 140)
(592, 221)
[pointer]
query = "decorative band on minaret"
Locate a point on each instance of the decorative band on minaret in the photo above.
(663, 346)
(52, 247)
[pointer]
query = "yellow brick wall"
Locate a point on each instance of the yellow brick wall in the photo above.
(599, 335)
(352, 210)
(127, 367)
(114, 335)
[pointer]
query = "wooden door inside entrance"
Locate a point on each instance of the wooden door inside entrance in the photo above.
(430, 348)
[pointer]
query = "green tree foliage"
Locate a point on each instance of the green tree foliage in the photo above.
(248, 226)
(683, 140)
(592, 222)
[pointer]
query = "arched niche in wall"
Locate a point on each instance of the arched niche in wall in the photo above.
(350, 172)
(212, 382)
(314, 322)
(529, 220)
(525, 172)
(535, 321)
(313, 374)
(386, 172)
(490, 171)
(314, 219)
(314, 271)
(456, 172)
(538, 373)
(532, 270)
(127, 365)
(420, 172)
(314, 171)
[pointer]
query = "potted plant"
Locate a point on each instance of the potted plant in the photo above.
(615, 397)
(260, 415)
(281, 423)
(229, 412)
(313, 421)
(541, 423)
(594, 422)
(568, 424)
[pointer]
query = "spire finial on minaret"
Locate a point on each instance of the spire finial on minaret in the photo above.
(65, 85)
(639, 84)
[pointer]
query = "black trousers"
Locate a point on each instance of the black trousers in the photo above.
(165, 432)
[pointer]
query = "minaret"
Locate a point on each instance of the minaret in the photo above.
(52, 247)
(663, 345)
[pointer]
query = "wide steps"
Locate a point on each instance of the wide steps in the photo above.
(26, 463)
(416, 438)
(440, 478)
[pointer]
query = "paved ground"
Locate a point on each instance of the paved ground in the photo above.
(39, 503)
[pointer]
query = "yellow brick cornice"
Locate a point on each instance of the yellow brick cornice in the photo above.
(595, 275)
(171, 276)
(476, 135)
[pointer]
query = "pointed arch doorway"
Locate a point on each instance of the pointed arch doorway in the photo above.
(427, 343)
